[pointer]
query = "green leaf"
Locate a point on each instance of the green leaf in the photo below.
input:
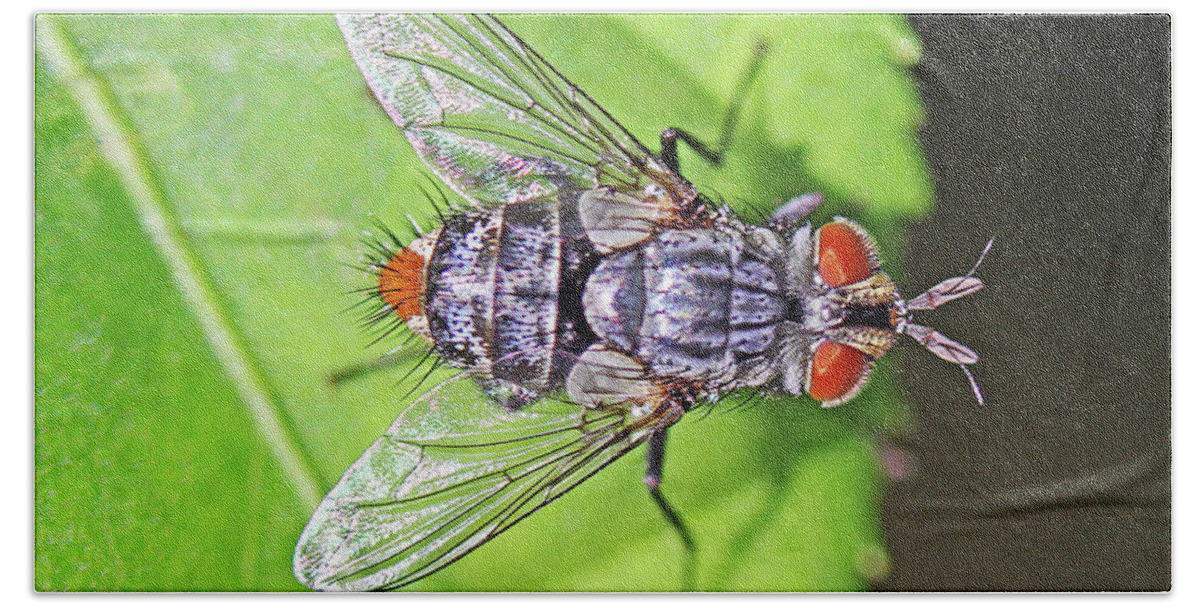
(202, 183)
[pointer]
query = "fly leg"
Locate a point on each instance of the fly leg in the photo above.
(671, 137)
(655, 451)
(392, 358)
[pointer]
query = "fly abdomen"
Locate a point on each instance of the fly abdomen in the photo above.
(526, 302)
(493, 290)
(459, 288)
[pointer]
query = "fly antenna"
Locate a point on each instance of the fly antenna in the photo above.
(953, 288)
(986, 249)
(963, 366)
(948, 350)
(974, 385)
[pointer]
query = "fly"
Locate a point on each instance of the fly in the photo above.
(590, 294)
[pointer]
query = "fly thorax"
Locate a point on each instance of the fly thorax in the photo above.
(698, 305)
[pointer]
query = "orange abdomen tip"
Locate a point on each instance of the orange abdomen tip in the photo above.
(835, 371)
(845, 255)
(402, 283)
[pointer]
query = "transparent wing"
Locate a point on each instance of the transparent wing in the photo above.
(452, 472)
(489, 116)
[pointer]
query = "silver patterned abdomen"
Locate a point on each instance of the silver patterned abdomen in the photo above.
(493, 290)
(703, 305)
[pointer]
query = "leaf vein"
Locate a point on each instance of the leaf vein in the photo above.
(121, 150)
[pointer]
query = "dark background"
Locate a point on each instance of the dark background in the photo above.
(1052, 134)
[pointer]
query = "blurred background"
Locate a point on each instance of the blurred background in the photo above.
(201, 188)
(1053, 134)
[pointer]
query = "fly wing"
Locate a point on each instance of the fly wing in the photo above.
(452, 472)
(492, 118)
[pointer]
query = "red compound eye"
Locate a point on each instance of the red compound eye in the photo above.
(402, 282)
(835, 370)
(846, 255)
